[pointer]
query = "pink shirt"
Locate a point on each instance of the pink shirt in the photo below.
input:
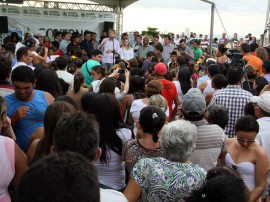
(7, 166)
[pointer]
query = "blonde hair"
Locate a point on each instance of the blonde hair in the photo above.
(159, 101)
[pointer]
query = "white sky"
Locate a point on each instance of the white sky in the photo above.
(241, 16)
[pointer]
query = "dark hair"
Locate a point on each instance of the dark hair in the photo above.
(150, 54)
(197, 41)
(213, 70)
(250, 72)
(184, 79)
(168, 36)
(48, 81)
(5, 66)
(247, 124)
(67, 99)
(254, 46)
(99, 70)
(266, 66)
(71, 68)
(56, 44)
(261, 82)
(219, 115)
(23, 74)
(152, 119)
(221, 170)
(235, 75)
(86, 32)
(249, 109)
(107, 85)
(174, 53)
(23, 51)
(59, 177)
(78, 81)
(219, 81)
(77, 132)
(136, 84)
(61, 62)
(57, 33)
(16, 35)
(30, 42)
(64, 34)
(159, 47)
(94, 52)
(222, 188)
(52, 114)
(78, 62)
(133, 63)
(86, 100)
(181, 60)
(10, 47)
(38, 69)
(136, 71)
(107, 111)
(222, 48)
(182, 40)
(245, 47)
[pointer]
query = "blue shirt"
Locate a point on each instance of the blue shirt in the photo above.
(26, 126)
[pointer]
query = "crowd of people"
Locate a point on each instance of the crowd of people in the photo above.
(135, 119)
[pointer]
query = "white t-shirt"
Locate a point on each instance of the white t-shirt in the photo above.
(113, 174)
(179, 90)
(67, 77)
(108, 195)
(95, 85)
(135, 109)
(19, 64)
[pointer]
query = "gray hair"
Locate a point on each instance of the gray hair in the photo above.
(178, 140)
(159, 101)
(218, 114)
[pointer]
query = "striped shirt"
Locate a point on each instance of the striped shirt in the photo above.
(234, 98)
(209, 144)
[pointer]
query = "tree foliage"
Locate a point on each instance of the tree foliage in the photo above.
(151, 32)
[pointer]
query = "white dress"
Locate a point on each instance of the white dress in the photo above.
(245, 169)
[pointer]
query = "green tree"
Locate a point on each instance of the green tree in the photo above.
(151, 32)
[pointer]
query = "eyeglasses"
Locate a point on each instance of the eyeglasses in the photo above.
(240, 139)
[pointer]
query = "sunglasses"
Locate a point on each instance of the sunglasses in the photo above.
(245, 140)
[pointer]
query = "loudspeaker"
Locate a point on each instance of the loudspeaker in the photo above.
(108, 25)
(3, 24)
(12, 1)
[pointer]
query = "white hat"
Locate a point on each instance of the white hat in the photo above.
(263, 101)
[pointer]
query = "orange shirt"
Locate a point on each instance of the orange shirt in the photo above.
(255, 62)
(169, 92)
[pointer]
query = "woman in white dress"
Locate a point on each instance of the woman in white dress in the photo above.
(247, 157)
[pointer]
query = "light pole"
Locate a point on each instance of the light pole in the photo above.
(212, 22)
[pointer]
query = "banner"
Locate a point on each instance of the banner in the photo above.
(25, 19)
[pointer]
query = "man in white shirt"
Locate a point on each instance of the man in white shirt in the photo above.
(110, 47)
(24, 57)
(62, 71)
